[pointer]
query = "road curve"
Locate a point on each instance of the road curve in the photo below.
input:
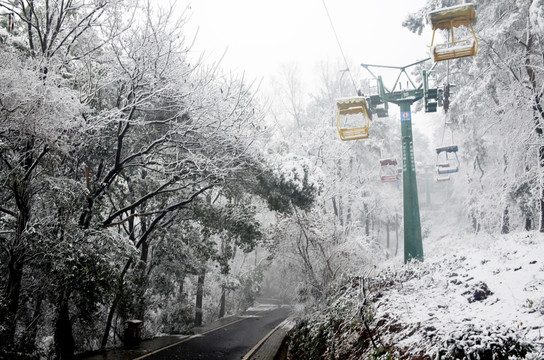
(230, 342)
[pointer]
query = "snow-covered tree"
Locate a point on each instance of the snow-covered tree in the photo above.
(108, 135)
(497, 107)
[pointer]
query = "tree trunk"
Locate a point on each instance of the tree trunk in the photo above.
(505, 221)
(538, 111)
(109, 321)
(64, 341)
(144, 255)
(199, 296)
(181, 294)
(23, 197)
(475, 224)
(541, 162)
(338, 209)
(367, 219)
(142, 272)
(139, 302)
(528, 223)
(387, 244)
(32, 327)
(222, 302)
(13, 290)
(113, 307)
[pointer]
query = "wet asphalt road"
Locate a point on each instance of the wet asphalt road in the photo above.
(228, 343)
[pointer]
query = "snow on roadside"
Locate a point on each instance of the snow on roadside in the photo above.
(263, 307)
(468, 287)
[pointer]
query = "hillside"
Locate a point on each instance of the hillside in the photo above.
(475, 296)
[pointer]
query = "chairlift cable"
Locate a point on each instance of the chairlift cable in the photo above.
(447, 112)
(443, 133)
(339, 45)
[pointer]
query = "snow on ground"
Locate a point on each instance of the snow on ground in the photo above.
(469, 287)
(263, 307)
(475, 296)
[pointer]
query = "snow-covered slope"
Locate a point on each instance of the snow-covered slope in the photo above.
(473, 293)
(476, 296)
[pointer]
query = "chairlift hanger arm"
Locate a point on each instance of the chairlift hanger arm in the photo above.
(427, 74)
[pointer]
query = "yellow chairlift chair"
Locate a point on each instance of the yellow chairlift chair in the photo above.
(353, 118)
(450, 18)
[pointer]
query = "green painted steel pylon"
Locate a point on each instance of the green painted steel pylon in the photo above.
(413, 243)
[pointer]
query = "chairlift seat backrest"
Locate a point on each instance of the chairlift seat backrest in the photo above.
(388, 162)
(460, 15)
(350, 103)
(447, 148)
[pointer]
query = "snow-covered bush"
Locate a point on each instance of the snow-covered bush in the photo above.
(473, 343)
(474, 297)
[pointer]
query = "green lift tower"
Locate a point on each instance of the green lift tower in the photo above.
(413, 245)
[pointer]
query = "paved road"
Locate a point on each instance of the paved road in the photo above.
(231, 342)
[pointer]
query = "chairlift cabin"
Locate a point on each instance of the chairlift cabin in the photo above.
(389, 171)
(447, 161)
(450, 18)
(353, 118)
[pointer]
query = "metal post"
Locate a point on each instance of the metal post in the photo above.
(413, 245)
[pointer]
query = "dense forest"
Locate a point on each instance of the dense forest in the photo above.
(138, 181)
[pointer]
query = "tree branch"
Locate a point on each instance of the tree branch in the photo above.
(33, 166)
(177, 206)
(7, 211)
(132, 206)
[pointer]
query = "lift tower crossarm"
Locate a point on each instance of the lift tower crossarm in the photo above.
(402, 70)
